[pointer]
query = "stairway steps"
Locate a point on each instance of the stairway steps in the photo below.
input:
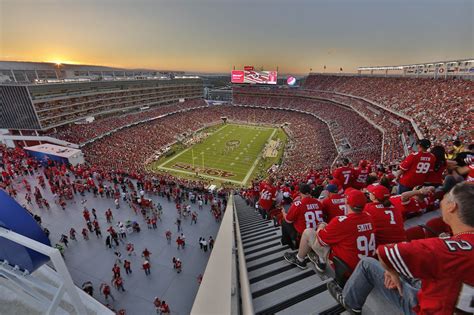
(261, 241)
(277, 286)
(264, 253)
(289, 295)
(258, 249)
(258, 235)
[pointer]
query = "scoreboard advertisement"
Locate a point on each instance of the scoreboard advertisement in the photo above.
(254, 77)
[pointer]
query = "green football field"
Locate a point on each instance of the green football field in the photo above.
(231, 153)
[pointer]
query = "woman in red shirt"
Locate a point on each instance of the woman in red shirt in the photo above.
(435, 177)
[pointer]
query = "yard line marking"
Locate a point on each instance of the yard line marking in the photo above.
(246, 178)
(202, 175)
(186, 150)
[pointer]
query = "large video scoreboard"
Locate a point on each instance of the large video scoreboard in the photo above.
(249, 75)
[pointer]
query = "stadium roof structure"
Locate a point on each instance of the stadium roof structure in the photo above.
(459, 67)
(400, 67)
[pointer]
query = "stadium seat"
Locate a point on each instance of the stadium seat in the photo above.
(434, 227)
(415, 233)
(342, 271)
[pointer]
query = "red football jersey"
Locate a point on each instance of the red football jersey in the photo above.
(267, 196)
(334, 206)
(436, 177)
(444, 266)
(350, 237)
(305, 213)
(388, 223)
(470, 175)
(360, 176)
(345, 174)
(412, 206)
(416, 167)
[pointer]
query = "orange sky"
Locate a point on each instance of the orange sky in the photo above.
(212, 36)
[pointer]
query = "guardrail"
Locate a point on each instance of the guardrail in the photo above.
(221, 290)
(215, 293)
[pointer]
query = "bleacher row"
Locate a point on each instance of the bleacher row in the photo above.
(441, 108)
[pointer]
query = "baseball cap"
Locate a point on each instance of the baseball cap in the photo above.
(305, 189)
(425, 143)
(332, 188)
(336, 182)
(379, 191)
(355, 198)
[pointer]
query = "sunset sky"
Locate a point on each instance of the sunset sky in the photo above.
(214, 35)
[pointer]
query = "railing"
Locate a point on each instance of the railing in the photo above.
(221, 290)
(47, 295)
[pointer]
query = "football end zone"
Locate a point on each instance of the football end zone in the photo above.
(203, 172)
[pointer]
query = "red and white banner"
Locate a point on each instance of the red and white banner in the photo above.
(262, 77)
(248, 68)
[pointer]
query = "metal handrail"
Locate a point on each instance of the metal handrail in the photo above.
(245, 294)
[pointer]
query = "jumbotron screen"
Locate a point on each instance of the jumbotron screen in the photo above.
(252, 76)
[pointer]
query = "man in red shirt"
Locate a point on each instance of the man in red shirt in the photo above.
(348, 237)
(305, 213)
(388, 220)
(443, 265)
(415, 167)
(360, 175)
(412, 203)
(344, 174)
(267, 197)
(334, 204)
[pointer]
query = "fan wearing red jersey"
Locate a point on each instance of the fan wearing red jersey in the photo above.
(468, 170)
(344, 174)
(415, 167)
(361, 174)
(304, 213)
(388, 220)
(334, 204)
(412, 203)
(267, 197)
(443, 265)
(348, 237)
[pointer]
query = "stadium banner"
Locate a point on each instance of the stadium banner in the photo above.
(248, 68)
(261, 77)
(237, 76)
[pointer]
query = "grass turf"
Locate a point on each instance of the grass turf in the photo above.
(232, 153)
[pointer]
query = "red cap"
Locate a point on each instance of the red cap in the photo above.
(355, 198)
(379, 191)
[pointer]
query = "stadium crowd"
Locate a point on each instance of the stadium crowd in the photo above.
(352, 211)
(80, 133)
(128, 149)
(355, 137)
(441, 108)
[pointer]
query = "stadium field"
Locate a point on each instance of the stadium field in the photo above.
(231, 153)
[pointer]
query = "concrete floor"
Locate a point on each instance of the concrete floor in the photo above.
(92, 261)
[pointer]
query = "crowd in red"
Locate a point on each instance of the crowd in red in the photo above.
(128, 149)
(80, 133)
(354, 136)
(441, 108)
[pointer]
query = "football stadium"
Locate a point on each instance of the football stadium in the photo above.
(194, 157)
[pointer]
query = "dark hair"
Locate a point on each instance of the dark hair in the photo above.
(463, 195)
(440, 155)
